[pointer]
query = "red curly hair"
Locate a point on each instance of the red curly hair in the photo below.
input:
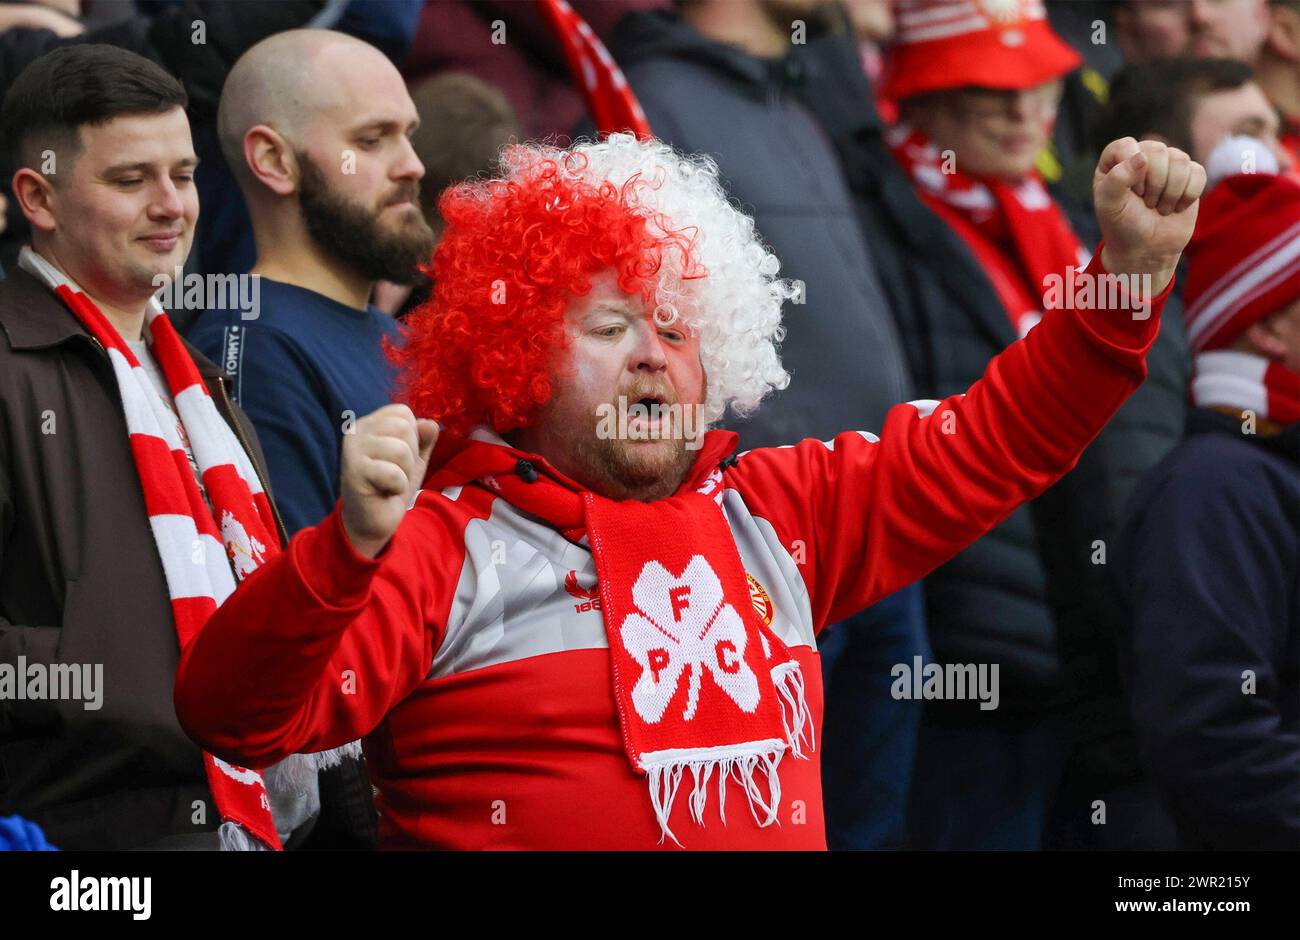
(483, 349)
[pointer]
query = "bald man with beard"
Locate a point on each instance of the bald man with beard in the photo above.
(315, 126)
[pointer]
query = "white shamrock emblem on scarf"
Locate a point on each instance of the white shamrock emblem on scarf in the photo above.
(681, 624)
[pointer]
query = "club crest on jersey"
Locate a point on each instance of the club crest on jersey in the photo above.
(589, 597)
(762, 602)
(683, 626)
(246, 552)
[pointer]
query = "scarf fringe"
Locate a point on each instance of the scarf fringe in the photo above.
(235, 838)
(324, 760)
(742, 763)
(296, 773)
(795, 716)
(664, 772)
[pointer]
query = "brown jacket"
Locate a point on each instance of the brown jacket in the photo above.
(81, 582)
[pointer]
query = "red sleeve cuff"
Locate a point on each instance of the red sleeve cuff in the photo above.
(332, 572)
(1106, 307)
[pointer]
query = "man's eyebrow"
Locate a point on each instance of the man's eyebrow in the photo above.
(1254, 122)
(385, 125)
(608, 306)
(144, 166)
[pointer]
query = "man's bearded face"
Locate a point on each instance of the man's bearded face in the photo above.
(384, 240)
(623, 359)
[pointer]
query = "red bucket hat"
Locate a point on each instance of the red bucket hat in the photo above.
(943, 44)
(1244, 258)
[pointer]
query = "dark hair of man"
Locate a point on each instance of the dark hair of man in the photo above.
(1158, 97)
(77, 85)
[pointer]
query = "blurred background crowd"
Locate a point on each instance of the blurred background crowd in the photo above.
(920, 167)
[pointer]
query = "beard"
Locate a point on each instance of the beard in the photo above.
(355, 235)
(647, 470)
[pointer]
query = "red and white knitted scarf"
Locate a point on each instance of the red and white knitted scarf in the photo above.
(1246, 382)
(1017, 233)
(701, 683)
(198, 547)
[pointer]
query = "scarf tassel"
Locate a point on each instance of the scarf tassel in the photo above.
(744, 763)
(235, 838)
(795, 716)
(664, 774)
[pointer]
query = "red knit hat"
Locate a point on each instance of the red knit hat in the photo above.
(1244, 258)
(943, 44)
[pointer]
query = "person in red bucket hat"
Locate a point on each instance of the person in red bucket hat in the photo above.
(978, 83)
(1207, 559)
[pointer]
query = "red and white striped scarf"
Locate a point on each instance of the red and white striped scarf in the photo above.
(1225, 378)
(201, 557)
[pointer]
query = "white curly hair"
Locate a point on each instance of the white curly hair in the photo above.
(736, 306)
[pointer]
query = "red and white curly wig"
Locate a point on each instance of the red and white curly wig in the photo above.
(516, 250)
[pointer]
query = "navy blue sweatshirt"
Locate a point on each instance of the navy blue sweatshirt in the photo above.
(304, 368)
(1209, 565)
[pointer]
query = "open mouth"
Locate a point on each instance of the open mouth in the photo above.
(649, 414)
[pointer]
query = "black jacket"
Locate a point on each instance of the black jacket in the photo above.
(1209, 566)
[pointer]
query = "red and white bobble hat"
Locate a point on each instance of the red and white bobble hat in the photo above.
(1244, 258)
(945, 44)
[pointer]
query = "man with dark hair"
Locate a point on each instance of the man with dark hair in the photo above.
(1191, 104)
(199, 56)
(316, 127)
(1263, 34)
(132, 497)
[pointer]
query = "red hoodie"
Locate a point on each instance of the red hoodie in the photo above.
(471, 655)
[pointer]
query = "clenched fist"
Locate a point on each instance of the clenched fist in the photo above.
(384, 460)
(1145, 195)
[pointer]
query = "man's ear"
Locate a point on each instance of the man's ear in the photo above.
(1265, 338)
(271, 160)
(1284, 33)
(36, 197)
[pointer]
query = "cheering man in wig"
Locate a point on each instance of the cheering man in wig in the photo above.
(584, 621)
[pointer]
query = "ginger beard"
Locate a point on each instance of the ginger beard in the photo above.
(639, 465)
(617, 350)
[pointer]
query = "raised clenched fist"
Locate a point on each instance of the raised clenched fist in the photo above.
(384, 460)
(1145, 195)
